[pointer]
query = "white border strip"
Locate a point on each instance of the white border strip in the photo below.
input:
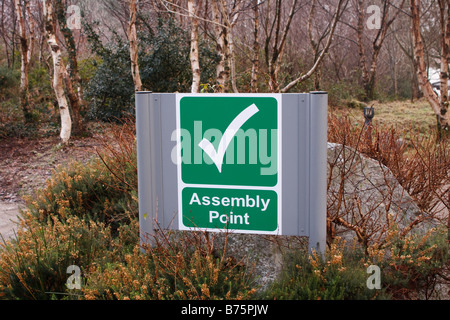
(277, 188)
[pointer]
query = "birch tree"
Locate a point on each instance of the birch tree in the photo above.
(133, 41)
(7, 29)
(71, 76)
(440, 103)
(230, 19)
(443, 116)
(221, 32)
(58, 70)
(194, 52)
(26, 47)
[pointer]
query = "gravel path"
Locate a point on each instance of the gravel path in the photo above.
(8, 218)
(26, 164)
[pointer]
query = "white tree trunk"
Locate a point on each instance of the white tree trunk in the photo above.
(24, 45)
(58, 71)
(195, 64)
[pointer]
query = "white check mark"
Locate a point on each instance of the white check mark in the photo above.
(230, 132)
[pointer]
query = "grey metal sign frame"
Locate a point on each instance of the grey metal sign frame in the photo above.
(304, 161)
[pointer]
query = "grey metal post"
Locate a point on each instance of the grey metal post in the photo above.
(318, 171)
(146, 181)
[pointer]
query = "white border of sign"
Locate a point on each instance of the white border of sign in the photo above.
(182, 185)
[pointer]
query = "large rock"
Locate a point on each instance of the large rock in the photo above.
(365, 197)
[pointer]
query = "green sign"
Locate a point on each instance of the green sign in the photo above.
(229, 162)
(232, 209)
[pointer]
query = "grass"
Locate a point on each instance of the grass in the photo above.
(405, 115)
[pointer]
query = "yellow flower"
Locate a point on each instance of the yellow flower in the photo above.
(205, 290)
(336, 259)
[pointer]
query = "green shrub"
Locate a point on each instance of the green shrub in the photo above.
(163, 64)
(164, 61)
(179, 267)
(9, 78)
(84, 191)
(110, 92)
(341, 92)
(104, 189)
(40, 101)
(44, 105)
(340, 275)
(34, 265)
(411, 267)
(17, 129)
(413, 264)
(355, 104)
